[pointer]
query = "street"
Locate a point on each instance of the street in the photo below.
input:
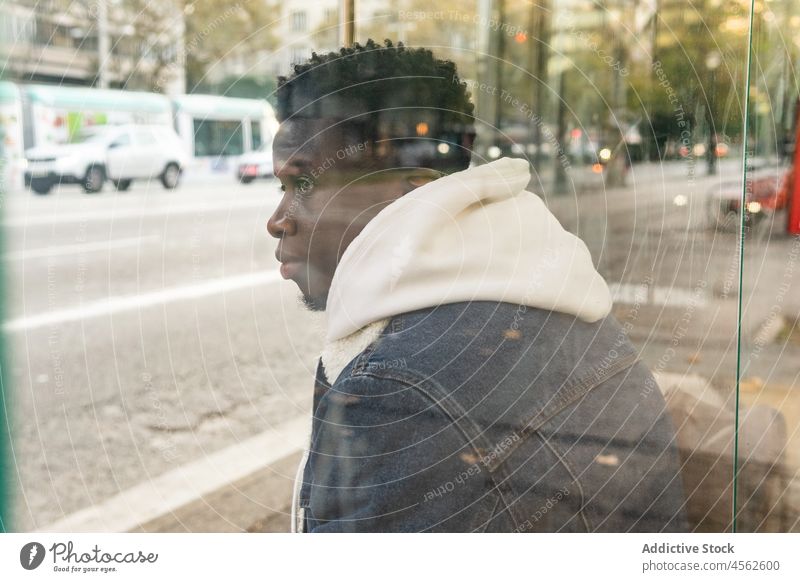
(149, 329)
(207, 347)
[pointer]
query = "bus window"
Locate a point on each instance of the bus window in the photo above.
(255, 132)
(218, 138)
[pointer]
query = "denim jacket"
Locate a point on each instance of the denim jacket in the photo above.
(488, 416)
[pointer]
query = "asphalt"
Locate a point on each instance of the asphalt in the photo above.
(112, 398)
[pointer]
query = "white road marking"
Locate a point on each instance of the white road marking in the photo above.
(78, 248)
(166, 493)
(144, 300)
(127, 213)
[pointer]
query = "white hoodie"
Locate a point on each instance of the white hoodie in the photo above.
(470, 236)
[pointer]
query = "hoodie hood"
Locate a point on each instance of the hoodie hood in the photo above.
(476, 235)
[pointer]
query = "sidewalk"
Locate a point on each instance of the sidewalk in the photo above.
(247, 485)
(260, 500)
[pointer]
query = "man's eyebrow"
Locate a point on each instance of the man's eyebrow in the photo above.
(293, 162)
(298, 160)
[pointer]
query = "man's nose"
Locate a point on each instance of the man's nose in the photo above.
(281, 223)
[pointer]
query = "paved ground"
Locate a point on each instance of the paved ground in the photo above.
(149, 329)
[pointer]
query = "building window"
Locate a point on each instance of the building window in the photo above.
(299, 23)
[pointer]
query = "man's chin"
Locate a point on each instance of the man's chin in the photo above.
(314, 303)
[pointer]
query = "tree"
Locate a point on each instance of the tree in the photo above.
(145, 43)
(701, 54)
(217, 31)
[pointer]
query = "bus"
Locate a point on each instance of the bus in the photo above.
(214, 130)
(218, 130)
(58, 115)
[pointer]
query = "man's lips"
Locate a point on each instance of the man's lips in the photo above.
(290, 266)
(289, 269)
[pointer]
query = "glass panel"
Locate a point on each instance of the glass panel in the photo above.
(768, 487)
(540, 249)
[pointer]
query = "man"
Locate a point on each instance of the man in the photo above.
(472, 379)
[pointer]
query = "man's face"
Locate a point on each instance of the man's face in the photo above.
(329, 196)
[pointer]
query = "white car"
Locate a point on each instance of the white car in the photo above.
(256, 164)
(121, 153)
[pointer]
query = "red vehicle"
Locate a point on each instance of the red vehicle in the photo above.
(766, 193)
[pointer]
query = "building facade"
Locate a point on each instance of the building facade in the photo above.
(93, 43)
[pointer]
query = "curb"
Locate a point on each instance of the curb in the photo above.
(164, 496)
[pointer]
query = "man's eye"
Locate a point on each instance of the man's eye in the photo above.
(303, 185)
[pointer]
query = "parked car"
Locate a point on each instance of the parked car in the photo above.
(121, 154)
(256, 164)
